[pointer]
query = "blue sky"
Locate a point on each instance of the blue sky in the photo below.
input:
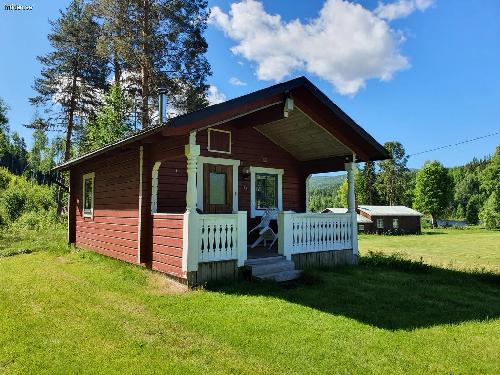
(426, 74)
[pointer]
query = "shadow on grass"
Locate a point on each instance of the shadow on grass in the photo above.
(431, 233)
(388, 292)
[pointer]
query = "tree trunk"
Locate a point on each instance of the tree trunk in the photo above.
(434, 221)
(69, 133)
(71, 118)
(117, 69)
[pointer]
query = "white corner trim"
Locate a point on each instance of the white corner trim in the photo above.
(139, 216)
(154, 187)
(253, 170)
(86, 177)
(222, 161)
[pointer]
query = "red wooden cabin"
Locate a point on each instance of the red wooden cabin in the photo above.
(181, 197)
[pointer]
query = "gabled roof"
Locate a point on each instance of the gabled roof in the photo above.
(340, 210)
(250, 103)
(389, 210)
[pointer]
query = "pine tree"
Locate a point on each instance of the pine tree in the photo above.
(73, 75)
(112, 121)
(368, 178)
(4, 128)
(162, 47)
(392, 181)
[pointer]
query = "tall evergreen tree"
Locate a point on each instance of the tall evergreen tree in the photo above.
(4, 128)
(112, 121)
(368, 179)
(73, 74)
(392, 180)
(162, 47)
(490, 186)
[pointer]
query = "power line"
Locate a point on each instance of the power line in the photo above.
(455, 144)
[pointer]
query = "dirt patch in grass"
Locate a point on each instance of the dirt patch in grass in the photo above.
(163, 285)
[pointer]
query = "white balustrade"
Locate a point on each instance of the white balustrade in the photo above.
(222, 237)
(310, 232)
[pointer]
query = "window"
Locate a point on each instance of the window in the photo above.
(219, 141)
(361, 227)
(380, 223)
(88, 195)
(266, 189)
(217, 188)
(395, 223)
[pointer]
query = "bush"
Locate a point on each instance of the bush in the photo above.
(5, 177)
(489, 215)
(22, 196)
(42, 220)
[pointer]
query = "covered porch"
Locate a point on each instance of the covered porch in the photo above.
(213, 231)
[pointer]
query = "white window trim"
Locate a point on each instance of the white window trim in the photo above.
(397, 226)
(86, 177)
(254, 170)
(154, 187)
(380, 227)
(220, 131)
(221, 161)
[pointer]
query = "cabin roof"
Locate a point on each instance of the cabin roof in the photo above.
(389, 210)
(340, 210)
(249, 104)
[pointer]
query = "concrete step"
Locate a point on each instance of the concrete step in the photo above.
(281, 276)
(254, 261)
(272, 267)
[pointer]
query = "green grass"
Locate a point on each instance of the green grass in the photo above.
(450, 248)
(78, 312)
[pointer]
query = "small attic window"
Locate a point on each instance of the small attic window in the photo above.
(219, 141)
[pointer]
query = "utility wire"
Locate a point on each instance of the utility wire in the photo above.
(455, 144)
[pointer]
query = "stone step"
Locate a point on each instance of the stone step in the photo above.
(281, 276)
(255, 261)
(272, 267)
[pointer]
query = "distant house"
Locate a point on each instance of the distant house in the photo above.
(363, 222)
(390, 218)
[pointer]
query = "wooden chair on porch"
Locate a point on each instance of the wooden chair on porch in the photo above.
(266, 233)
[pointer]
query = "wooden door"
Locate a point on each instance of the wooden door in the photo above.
(217, 189)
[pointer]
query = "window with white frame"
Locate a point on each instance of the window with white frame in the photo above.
(361, 227)
(266, 189)
(88, 195)
(395, 223)
(380, 223)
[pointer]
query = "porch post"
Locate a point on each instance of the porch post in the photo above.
(242, 238)
(308, 180)
(190, 231)
(351, 200)
(285, 234)
(192, 151)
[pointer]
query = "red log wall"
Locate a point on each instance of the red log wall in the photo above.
(167, 244)
(113, 230)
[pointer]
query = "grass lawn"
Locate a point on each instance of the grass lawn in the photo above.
(77, 312)
(451, 248)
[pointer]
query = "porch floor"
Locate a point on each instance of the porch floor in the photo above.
(262, 252)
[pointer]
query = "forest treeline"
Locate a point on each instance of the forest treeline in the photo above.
(470, 192)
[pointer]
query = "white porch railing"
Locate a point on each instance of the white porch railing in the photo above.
(312, 232)
(222, 237)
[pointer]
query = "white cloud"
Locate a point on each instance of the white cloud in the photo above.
(215, 96)
(345, 45)
(401, 8)
(236, 82)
